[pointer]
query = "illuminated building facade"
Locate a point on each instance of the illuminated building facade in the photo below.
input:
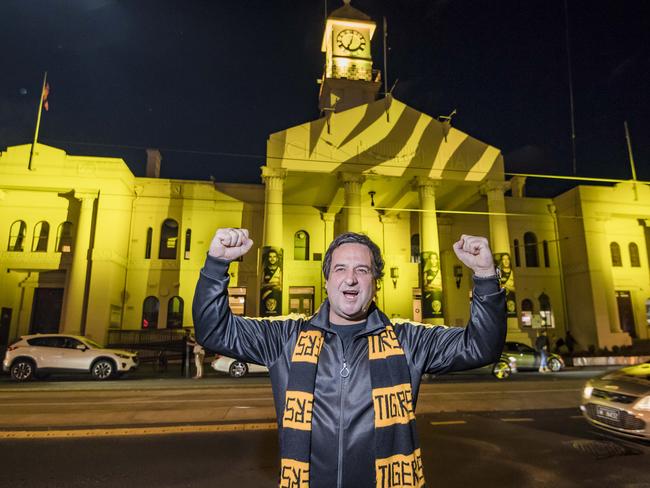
(87, 246)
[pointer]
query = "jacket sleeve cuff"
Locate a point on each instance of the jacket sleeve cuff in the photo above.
(486, 285)
(215, 268)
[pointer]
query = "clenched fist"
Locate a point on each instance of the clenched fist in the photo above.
(230, 244)
(475, 253)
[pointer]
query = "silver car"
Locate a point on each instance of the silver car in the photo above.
(35, 356)
(619, 401)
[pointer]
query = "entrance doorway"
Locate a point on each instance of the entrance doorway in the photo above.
(46, 310)
(5, 322)
(626, 312)
(301, 299)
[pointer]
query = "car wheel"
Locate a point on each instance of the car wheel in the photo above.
(501, 370)
(102, 369)
(23, 370)
(554, 365)
(238, 369)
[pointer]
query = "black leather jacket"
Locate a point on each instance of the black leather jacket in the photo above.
(342, 424)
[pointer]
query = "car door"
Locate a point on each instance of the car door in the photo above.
(75, 358)
(48, 351)
(528, 357)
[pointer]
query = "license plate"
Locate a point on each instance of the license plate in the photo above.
(607, 413)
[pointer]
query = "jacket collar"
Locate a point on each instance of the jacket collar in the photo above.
(376, 320)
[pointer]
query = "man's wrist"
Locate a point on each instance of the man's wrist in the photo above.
(486, 273)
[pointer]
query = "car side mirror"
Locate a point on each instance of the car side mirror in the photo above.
(81, 347)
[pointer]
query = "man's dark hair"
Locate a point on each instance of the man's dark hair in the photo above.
(354, 238)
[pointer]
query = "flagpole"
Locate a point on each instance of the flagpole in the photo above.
(631, 156)
(38, 121)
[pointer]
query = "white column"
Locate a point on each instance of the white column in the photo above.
(73, 309)
(352, 185)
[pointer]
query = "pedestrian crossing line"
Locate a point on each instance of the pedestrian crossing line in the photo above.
(518, 419)
(134, 431)
(448, 422)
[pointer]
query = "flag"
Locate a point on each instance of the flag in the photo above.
(46, 93)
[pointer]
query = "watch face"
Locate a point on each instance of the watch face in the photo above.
(351, 40)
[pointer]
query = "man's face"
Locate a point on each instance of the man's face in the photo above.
(273, 257)
(350, 286)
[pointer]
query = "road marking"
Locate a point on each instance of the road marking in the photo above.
(520, 419)
(156, 401)
(134, 431)
(498, 392)
(448, 422)
(576, 417)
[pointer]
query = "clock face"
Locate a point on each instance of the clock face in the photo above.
(351, 40)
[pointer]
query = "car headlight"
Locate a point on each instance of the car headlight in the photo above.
(586, 393)
(643, 404)
(124, 356)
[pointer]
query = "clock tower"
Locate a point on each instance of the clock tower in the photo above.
(349, 79)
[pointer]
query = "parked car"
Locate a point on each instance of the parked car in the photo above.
(35, 356)
(619, 401)
(235, 367)
(529, 359)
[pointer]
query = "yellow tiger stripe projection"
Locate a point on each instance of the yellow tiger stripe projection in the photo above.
(400, 471)
(483, 165)
(294, 474)
(393, 405)
(446, 150)
(308, 347)
(384, 345)
(298, 409)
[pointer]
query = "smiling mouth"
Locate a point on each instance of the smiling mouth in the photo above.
(350, 294)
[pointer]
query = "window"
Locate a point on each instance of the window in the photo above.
(41, 236)
(635, 262)
(188, 243)
(301, 246)
(175, 313)
(545, 310)
(17, 236)
(615, 251)
(527, 312)
(530, 250)
(168, 239)
(64, 237)
(147, 248)
(547, 261)
(415, 248)
(517, 256)
(150, 309)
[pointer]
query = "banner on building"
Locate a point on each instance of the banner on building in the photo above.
(271, 286)
(431, 285)
(504, 263)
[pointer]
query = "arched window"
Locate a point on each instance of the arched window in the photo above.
(150, 309)
(530, 250)
(301, 246)
(175, 313)
(517, 256)
(168, 239)
(17, 236)
(547, 261)
(635, 261)
(147, 247)
(188, 243)
(40, 237)
(545, 310)
(64, 237)
(615, 251)
(527, 312)
(415, 248)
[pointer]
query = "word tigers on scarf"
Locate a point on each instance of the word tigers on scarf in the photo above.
(392, 400)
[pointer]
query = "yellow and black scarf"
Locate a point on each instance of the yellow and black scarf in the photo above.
(397, 455)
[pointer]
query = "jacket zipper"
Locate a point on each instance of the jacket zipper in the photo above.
(345, 372)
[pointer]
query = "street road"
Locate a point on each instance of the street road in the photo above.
(172, 432)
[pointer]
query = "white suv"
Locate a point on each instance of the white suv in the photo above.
(36, 355)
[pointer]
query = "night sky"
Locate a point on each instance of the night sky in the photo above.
(208, 81)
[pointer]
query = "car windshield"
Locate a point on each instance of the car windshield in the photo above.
(93, 344)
